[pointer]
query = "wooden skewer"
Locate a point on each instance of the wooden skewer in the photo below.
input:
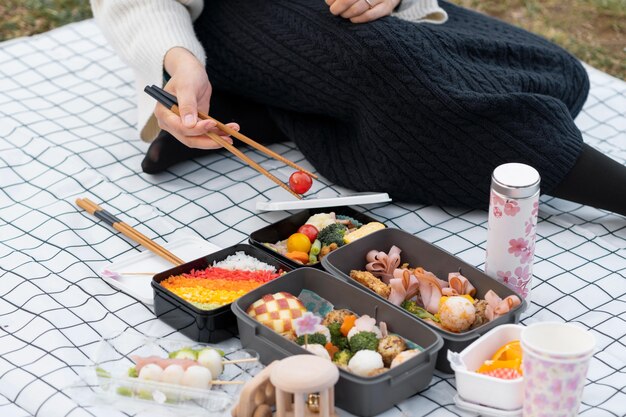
(218, 139)
(128, 231)
(240, 360)
(232, 132)
(220, 382)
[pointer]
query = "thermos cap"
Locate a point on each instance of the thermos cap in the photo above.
(514, 180)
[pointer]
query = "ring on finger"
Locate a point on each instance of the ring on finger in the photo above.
(369, 3)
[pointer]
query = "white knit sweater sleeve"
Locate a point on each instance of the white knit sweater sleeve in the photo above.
(142, 31)
(421, 11)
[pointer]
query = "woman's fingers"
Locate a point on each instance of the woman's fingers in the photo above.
(198, 138)
(340, 6)
(169, 121)
(187, 104)
(376, 12)
(357, 9)
(205, 142)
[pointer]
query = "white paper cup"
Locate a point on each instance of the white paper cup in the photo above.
(555, 362)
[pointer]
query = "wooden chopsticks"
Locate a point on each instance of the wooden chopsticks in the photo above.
(131, 233)
(170, 101)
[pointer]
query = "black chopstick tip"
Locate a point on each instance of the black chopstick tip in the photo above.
(158, 94)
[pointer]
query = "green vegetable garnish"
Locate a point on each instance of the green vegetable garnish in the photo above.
(342, 357)
(132, 372)
(315, 338)
(125, 391)
(184, 353)
(332, 234)
(363, 341)
(413, 308)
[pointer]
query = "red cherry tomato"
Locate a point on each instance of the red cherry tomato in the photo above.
(300, 182)
(310, 231)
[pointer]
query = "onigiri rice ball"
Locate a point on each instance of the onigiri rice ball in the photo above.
(457, 314)
(318, 350)
(403, 357)
(365, 362)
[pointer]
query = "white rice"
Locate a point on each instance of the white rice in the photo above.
(243, 262)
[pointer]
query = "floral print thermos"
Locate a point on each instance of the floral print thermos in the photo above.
(513, 209)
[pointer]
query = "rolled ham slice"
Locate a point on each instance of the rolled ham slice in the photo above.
(430, 288)
(140, 362)
(381, 264)
(458, 285)
(497, 307)
(404, 286)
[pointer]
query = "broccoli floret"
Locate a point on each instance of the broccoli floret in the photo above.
(315, 338)
(332, 234)
(363, 341)
(413, 308)
(342, 357)
(336, 338)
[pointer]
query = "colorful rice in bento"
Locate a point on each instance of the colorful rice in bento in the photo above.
(223, 282)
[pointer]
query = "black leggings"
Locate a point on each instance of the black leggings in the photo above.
(423, 112)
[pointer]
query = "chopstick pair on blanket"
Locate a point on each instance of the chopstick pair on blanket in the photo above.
(128, 231)
(171, 102)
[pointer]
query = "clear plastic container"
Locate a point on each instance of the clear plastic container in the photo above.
(109, 383)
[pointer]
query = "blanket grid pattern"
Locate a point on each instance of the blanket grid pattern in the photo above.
(67, 130)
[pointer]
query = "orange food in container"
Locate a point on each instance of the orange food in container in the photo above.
(491, 376)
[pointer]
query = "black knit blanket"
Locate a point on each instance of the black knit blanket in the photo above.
(424, 112)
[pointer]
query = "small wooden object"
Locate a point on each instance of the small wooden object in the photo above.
(290, 384)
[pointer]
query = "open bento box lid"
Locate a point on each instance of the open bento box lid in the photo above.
(107, 381)
(318, 202)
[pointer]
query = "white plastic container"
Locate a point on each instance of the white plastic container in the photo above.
(483, 389)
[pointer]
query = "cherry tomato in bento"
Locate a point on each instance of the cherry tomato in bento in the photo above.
(300, 182)
(310, 231)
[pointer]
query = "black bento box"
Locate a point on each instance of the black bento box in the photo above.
(207, 326)
(418, 252)
(355, 394)
(284, 228)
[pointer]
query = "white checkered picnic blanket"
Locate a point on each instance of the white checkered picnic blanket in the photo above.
(67, 130)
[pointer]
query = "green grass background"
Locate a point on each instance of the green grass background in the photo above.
(593, 30)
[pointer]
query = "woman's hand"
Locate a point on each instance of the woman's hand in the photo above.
(362, 11)
(190, 84)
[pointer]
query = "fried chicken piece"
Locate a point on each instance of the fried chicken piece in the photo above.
(481, 318)
(389, 347)
(371, 282)
(336, 316)
(327, 249)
